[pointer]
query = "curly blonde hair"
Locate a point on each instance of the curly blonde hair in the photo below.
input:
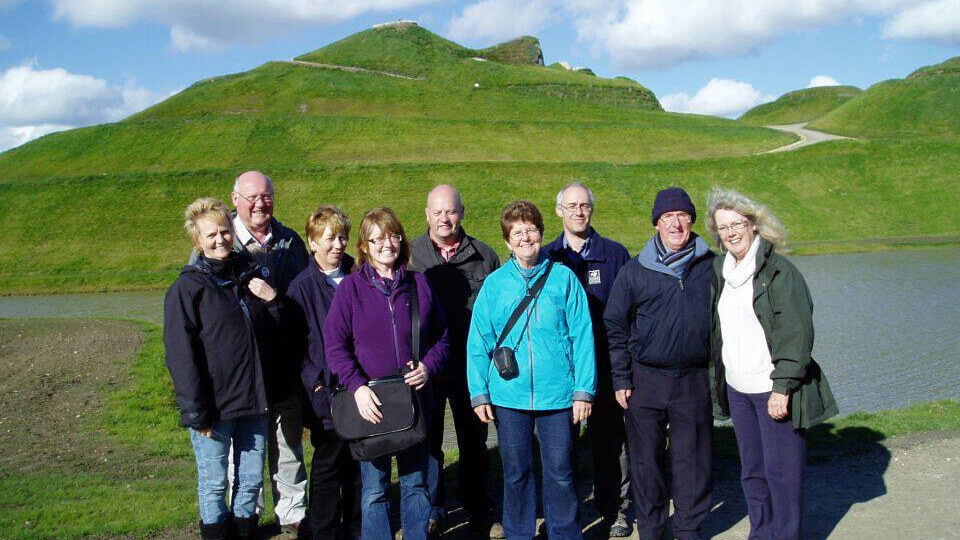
(768, 226)
(209, 208)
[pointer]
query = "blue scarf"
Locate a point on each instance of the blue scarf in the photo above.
(382, 284)
(678, 261)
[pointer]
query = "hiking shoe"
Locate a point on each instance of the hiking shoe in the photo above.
(433, 528)
(496, 531)
(620, 528)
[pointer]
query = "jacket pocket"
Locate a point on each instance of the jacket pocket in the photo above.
(640, 332)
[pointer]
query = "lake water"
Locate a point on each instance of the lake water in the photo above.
(888, 324)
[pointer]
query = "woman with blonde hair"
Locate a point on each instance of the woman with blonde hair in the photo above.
(368, 335)
(217, 316)
(334, 502)
(763, 375)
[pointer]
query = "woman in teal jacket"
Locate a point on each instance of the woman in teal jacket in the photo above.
(553, 388)
(764, 376)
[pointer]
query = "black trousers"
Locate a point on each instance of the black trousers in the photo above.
(678, 407)
(334, 502)
(608, 437)
(472, 442)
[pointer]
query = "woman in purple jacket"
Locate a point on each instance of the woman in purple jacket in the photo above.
(367, 335)
(334, 510)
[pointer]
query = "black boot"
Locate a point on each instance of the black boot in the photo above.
(213, 531)
(247, 527)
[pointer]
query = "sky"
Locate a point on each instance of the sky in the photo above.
(72, 63)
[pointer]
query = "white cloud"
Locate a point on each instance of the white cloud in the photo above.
(720, 97)
(822, 80)
(207, 25)
(34, 102)
(938, 20)
(661, 33)
(491, 21)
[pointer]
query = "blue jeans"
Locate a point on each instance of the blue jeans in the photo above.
(248, 436)
(555, 432)
(414, 503)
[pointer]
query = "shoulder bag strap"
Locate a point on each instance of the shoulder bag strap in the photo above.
(414, 321)
(532, 293)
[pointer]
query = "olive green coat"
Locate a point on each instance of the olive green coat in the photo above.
(784, 308)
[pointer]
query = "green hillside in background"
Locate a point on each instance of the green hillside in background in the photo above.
(380, 117)
(925, 104)
(800, 106)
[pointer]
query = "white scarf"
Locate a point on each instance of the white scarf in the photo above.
(736, 275)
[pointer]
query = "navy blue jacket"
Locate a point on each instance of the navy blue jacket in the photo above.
(310, 296)
(596, 272)
(657, 320)
(215, 334)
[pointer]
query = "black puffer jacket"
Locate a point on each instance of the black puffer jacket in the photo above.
(214, 331)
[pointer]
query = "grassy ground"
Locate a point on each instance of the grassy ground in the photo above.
(92, 445)
(125, 229)
(800, 106)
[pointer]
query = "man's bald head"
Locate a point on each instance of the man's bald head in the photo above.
(253, 197)
(444, 212)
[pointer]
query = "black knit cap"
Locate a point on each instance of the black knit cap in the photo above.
(673, 199)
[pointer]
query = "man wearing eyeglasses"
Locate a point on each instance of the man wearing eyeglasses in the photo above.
(596, 261)
(282, 255)
(658, 327)
(456, 264)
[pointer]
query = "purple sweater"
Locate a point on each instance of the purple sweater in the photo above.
(367, 333)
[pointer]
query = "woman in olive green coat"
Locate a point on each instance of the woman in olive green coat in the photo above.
(764, 376)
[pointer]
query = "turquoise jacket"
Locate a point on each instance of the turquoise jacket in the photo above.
(553, 341)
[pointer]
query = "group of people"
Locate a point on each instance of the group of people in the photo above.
(259, 331)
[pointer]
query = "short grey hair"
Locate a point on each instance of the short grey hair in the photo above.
(768, 226)
(572, 185)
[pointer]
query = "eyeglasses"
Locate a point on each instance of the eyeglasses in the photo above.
(682, 217)
(530, 233)
(393, 238)
(265, 199)
(573, 207)
(734, 227)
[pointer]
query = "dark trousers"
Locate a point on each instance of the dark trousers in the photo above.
(772, 459)
(680, 406)
(472, 443)
(555, 431)
(334, 502)
(608, 437)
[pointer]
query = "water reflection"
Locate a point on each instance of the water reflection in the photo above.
(888, 324)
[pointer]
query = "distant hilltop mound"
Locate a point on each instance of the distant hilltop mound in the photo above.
(925, 104)
(395, 91)
(800, 106)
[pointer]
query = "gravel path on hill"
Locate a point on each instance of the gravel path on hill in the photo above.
(351, 69)
(807, 137)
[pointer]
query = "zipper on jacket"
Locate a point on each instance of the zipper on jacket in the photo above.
(393, 325)
(256, 348)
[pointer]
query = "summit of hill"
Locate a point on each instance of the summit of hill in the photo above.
(925, 104)
(800, 105)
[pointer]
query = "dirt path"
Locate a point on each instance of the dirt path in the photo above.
(807, 137)
(350, 69)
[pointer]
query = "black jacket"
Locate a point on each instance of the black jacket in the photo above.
(658, 321)
(215, 333)
(310, 296)
(455, 283)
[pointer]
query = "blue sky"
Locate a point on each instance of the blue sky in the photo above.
(69, 63)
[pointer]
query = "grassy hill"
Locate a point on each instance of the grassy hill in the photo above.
(100, 207)
(800, 106)
(925, 104)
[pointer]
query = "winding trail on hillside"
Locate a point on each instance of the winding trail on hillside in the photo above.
(807, 137)
(351, 69)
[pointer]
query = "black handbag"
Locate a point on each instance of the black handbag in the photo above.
(504, 358)
(402, 426)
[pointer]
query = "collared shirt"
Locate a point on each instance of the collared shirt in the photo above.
(585, 251)
(446, 253)
(245, 236)
(335, 276)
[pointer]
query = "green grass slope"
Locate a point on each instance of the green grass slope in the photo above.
(453, 109)
(925, 104)
(800, 106)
